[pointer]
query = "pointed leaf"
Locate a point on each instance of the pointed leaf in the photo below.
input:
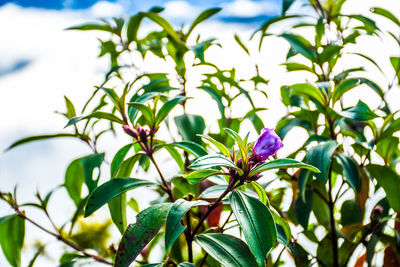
(256, 222)
(138, 235)
(350, 171)
(38, 138)
(211, 161)
(107, 191)
(320, 156)
(202, 17)
(173, 226)
(228, 250)
(167, 107)
(282, 163)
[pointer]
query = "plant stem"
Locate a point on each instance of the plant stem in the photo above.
(332, 219)
(61, 238)
(214, 205)
(189, 238)
(164, 181)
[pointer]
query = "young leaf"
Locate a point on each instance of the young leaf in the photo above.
(282, 163)
(146, 112)
(173, 226)
(197, 176)
(167, 107)
(211, 161)
(226, 249)
(138, 235)
(320, 156)
(262, 195)
(302, 208)
(241, 144)
(96, 115)
(38, 138)
(107, 191)
(118, 158)
(221, 147)
(202, 17)
(256, 222)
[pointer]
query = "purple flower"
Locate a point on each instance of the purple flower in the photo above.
(267, 145)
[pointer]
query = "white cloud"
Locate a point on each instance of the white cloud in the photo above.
(106, 9)
(179, 9)
(248, 8)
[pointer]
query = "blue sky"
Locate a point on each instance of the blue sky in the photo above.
(268, 7)
(82, 4)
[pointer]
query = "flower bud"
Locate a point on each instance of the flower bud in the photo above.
(268, 144)
(128, 130)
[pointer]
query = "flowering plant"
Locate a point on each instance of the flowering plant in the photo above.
(212, 200)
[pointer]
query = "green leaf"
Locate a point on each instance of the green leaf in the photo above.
(390, 181)
(167, 107)
(202, 17)
(350, 171)
(189, 147)
(241, 44)
(285, 5)
(262, 195)
(132, 112)
(93, 27)
(38, 138)
(146, 112)
(70, 108)
(186, 264)
(96, 115)
(173, 226)
(387, 14)
(282, 229)
(197, 176)
(360, 112)
(118, 158)
(228, 250)
(308, 90)
(133, 27)
(12, 232)
(221, 147)
(343, 87)
(300, 45)
(241, 144)
(80, 171)
(256, 222)
(302, 208)
(282, 163)
(294, 66)
(163, 23)
(189, 126)
(320, 156)
(212, 161)
(351, 213)
(396, 66)
(213, 191)
(107, 191)
(117, 205)
(138, 235)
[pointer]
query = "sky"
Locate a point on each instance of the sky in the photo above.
(40, 63)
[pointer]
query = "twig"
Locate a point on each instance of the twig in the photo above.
(61, 238)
